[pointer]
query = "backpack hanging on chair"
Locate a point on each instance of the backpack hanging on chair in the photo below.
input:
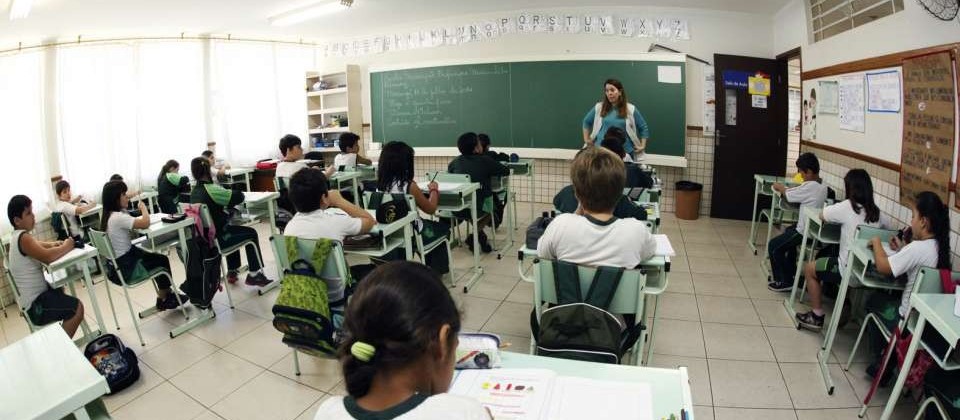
(581, 328)
(203, 262)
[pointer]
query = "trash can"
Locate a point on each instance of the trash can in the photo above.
(687, 200)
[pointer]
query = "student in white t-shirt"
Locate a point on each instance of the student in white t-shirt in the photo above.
(349, 156)
(292, 150)
(322, 213)
(70, 206)
(857, 209)
(782, 250)
(399, 348)
(593, 236)
(44, 304)
(131, 260)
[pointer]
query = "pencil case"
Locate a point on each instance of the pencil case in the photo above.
(478, 351)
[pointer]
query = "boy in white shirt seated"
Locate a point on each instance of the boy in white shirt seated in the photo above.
(292, 150)
(323, 214)
(782, 250)
(70, 206)
(593, 236)
(349, 156)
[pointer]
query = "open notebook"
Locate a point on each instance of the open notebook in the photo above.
(539, 394)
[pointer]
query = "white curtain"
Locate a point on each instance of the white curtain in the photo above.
(22, 137)
(258, 95)
(127, 109)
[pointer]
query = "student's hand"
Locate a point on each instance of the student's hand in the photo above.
(226, 166)
(433, 186)
(876, 243)
(778, 187)
(66, 242)
(895, 243)
(142, 207)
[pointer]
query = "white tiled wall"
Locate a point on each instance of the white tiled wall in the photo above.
(886, 188)
(44, 231)
(550, 175)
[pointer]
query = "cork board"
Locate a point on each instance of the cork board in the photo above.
(929, 101)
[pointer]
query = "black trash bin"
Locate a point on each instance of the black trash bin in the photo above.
(687, 200)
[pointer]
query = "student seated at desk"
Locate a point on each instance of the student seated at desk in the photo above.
(349, 156)
(170, 184)
(119, 226)
(636, 178)
(219, 200)
(566, 202)
(857, 209)
(485, 144)
(399, 349)
(481, 169)
(593, 235)
(782, 250)
(292, 150)
(44, 304)
(395, 175)
(131, 193)
(70, 206)
(216, 171)
(929, 247)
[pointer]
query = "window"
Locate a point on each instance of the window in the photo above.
(831, 17)
(25, 169)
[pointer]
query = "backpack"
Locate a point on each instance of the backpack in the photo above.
(309, 311)
(390, 211)
(117, 363)
(536, 229)
(56, 221)
(580, 328)
(203, 262)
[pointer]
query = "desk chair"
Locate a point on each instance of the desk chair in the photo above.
(653, 286)
(105, 251)
(335, 268)
(422, 248)
(446, 214)
(6, 264)
(628, 299)
(16, 292)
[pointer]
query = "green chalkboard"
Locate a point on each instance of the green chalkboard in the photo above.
(537, 104)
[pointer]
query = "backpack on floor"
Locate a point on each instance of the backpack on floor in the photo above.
(117, 363)
(581, 328)
(203, 262)
(309, 311)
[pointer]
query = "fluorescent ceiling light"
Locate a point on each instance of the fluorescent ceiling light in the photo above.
(19, 9)
(298, 15)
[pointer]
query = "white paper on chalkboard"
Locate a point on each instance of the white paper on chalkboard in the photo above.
(827, 98)
(852, 115)
(669, 74)
(883, 89)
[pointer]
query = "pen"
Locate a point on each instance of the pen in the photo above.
(435, 175)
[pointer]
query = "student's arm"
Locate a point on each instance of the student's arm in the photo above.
(143, 221)
(832, 213)
(222, 196)
(649, 246)
(363, 161)
(427, 202)
(36, 249)
(85, 208)
(546, 246)
(643, 130)
(366, 220)
(497, 168)
(588, 125)
(778, 187)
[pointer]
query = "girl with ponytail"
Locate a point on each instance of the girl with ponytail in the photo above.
(399, 349)
(170, 184)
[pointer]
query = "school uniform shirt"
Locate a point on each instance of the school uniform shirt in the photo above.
(217, 200)
(169, 187)
(287, 169)
(848, 219)
(346, 160)
(323, 224)
(584, 240)
(27, 272)
(417, 407)
(566, 202)
(481, 169)
(808, 194)
(118, 230)
(908, 260)
(70, 210)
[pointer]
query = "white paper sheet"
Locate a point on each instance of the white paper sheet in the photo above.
(509, 394)
(664, 247)
(884, 91)
(851, 102)
(578, 398)
(669, 74)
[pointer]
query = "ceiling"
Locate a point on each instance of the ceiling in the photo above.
(59, 19)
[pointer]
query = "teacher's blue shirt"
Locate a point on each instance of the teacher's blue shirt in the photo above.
(613, 119)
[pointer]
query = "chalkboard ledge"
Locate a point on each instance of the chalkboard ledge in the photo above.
(562, 154)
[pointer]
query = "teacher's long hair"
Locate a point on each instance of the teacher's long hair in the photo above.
(621, 104)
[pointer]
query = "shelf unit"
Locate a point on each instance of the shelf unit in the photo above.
(340, 100)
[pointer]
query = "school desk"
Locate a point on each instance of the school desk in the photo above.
(147, 196)
(254, 203)
(46, 377)
(234, 173)
(90, 218)
(763, 186)
(523, 167)
(817, 231)
(456, 196)
(353, 177)
(58, 276)
(503, 185)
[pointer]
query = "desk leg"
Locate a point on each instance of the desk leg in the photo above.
(408, 243)
(823, 356)
(88, 282)
(905, 369)
(773, 209)
(271, 208)
(801, 261)
(356, 192)
(531, 190)
(246, 180)
(753, 219)
(477, 270)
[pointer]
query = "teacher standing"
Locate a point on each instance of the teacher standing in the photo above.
(614, 111)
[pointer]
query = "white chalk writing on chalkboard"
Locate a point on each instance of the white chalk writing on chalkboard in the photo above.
(431, 97)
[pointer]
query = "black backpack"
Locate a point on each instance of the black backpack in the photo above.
(390, 211)
(202, 263)
(581, 328)
(117, 363)
(536, 229)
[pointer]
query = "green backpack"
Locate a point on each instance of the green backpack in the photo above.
(309, 310)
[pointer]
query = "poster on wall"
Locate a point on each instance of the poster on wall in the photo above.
(852, 114)
(883, 90)
(827, 103)
(709, 99)
(929, 102)
(809, 124)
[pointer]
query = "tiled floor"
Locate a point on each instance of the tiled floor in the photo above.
(745, 359)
